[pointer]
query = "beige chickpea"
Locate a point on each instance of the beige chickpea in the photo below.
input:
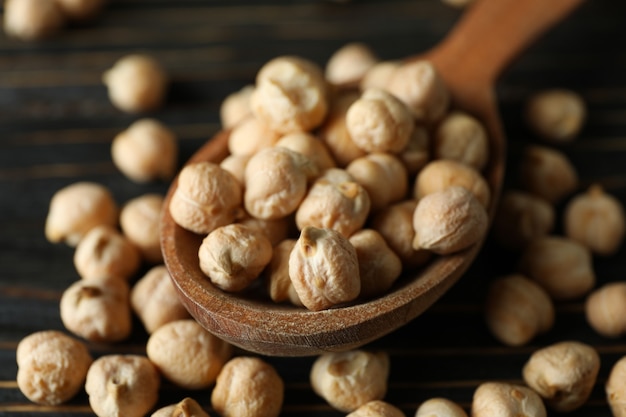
(248, 387)
(187, 407)
(547, 173)
(236, 165)
(324, 269)
(596, 219)
(377, 408)
(605, 309)
(347, 380)
(449, 221)
(463, 138)
(379, 122)
(557, 115)
(51, 367)
(279, 285)
(335, 201)
(136, 83)
(383, 176)
(206, 198)
(155, 301)
(276, 181)
(419, 85)
(233, 256)
(30, 20)
(98, 311)
(443, 173)
(236, 107)
(250, 136)
(522, 217)
(139, 221)
(506, 400)
(563, 374)
(379, 74)
(106, 253)
(348, 64)
(560, 265)
(310, 146)
(379, 266)
(440, 407)
(615, 388)
(171, 345)
(290, 95)
(81, 10)
(417, 152)
(122, 385)
(146, 151)
(517, 309)
(76, 209)
(276, 230)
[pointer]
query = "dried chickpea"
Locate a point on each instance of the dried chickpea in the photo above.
(563, 374)
(276, 230)
(547, 173)
(76, 209)
(324, 269)
(234, 255)
(377, 408)
(560, 265)
(139, 221)
(347, 380)
(146, 151)
(280, 287)
(80, 10)
(522, 217)
(442, 173)
(605, 309)
(155, 300)
(517, 309)
(379, 266)
(276, 181)
(98, 311)
(290, 95)
(171, 345)
(417, 152)
(378, 75)
(248, 387)
(557, 115)
(347, 65)
(236, 107)
(419, 85)
(188, 407)
(506, 400)
(379, 122)
(449, 221)
(440, 407)
(615, 388)
(51, 367)
(106, 253)
(334, 201)
(310, 146)
(249, 136)
(596, 219)
(30, 20)
(122, 385)
(136, 83)
(206, 198)
(236, 165)
(463, 138)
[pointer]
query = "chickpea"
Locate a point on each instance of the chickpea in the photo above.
(347, 380)
(379, 122)
(171, 345)
(105, 253)
(506, 400)
(324, 269)
(155, 300)
(449, 221)
(80, 10)
(279, 283)
(76, 209)
(250, 136)
(377, 408)
(547, 173)
(188, 407)
(122, 385)
(517, 309)
(557, 115)
(416, 154)
(310, 146)
(615, 388)
(51, 367)
(348, 65)
(206, 198)
(236, 107)
(605, 309)
(139, 221)
(98, 311)
(560, 265)
(463, 138)
(563, 374)
(234, 255)
(30, 20)
(136, 83)
(290, 95)
(248, 387)
(440, 407)
(596, 219)
(146, 151)
(236, 165)
(379, 74)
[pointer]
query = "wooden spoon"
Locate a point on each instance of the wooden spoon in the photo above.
(470, 59)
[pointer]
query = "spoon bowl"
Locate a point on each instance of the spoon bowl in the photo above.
(489, 35)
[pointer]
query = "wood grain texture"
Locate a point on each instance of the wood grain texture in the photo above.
(56, 124)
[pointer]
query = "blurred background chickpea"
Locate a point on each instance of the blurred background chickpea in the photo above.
(557, 115)
(605, 309)
(139, 221)
(347, 66)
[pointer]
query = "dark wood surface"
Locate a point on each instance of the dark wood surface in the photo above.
(56, 126)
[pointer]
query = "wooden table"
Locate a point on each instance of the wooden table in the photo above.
(56, 127)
